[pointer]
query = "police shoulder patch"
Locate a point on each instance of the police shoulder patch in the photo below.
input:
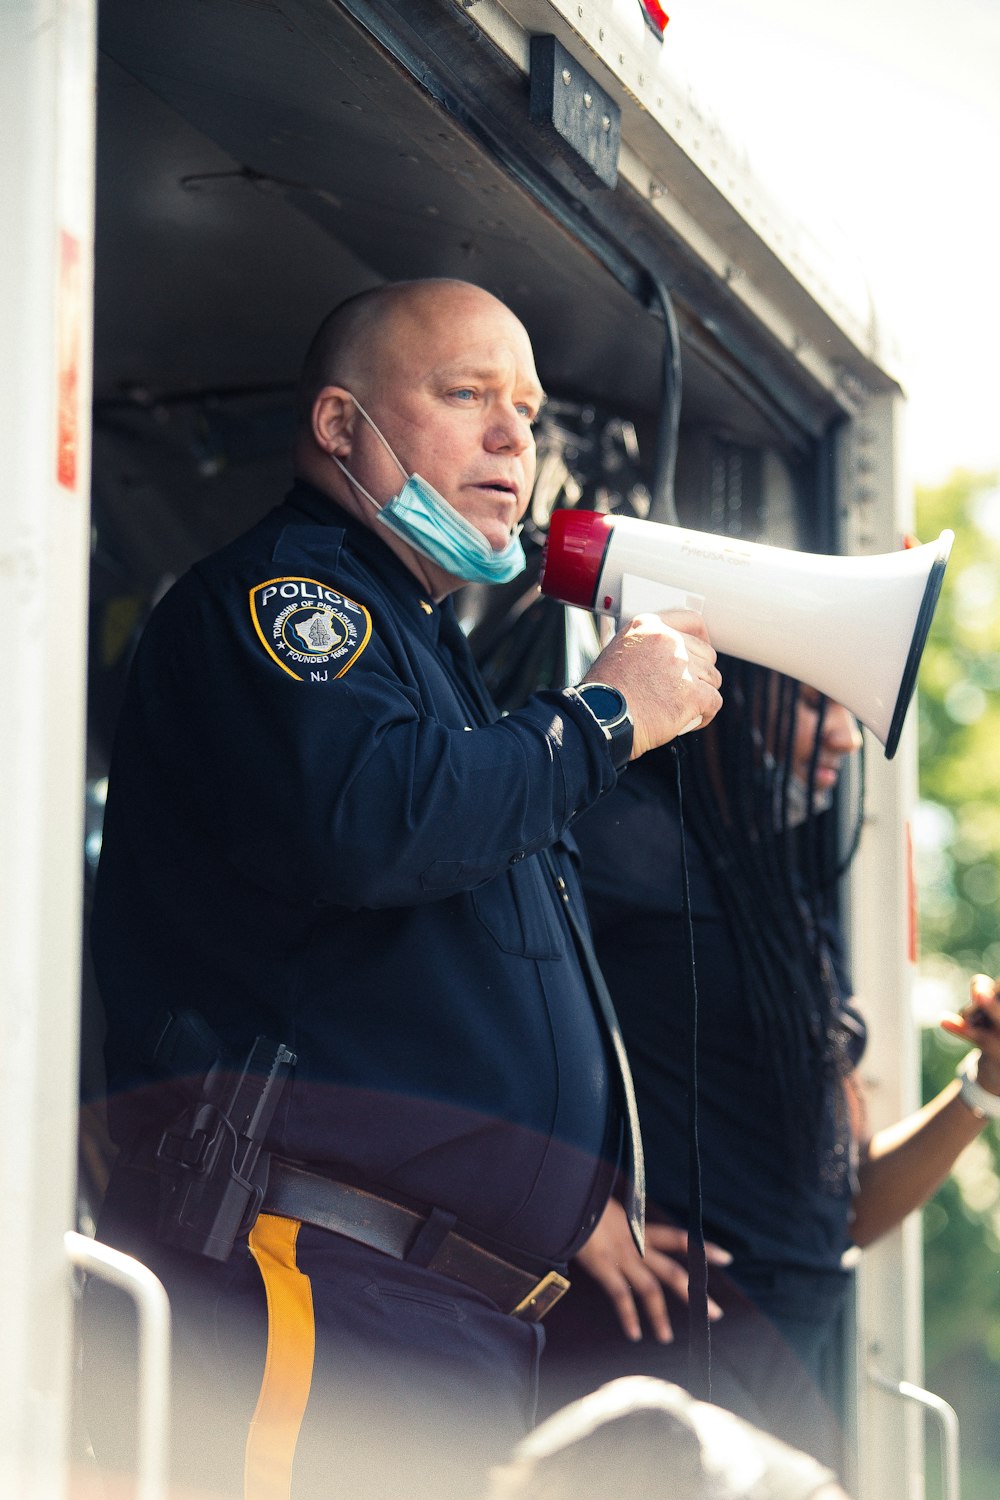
(313, 632)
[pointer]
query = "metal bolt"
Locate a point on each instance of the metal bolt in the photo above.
(605, 122)
(588, 100)
(567, 77)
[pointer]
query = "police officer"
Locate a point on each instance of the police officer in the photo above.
(320, 830)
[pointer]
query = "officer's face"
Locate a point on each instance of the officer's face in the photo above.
(453, 387)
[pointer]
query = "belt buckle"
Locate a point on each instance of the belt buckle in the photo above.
(543, 1296)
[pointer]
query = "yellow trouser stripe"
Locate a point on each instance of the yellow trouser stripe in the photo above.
(291, 1343)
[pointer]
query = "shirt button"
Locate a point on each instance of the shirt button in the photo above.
(516, 858)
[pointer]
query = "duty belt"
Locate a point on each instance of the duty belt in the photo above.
(355, 1213)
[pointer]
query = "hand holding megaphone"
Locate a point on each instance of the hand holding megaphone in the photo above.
(664, 666)
(853, 627)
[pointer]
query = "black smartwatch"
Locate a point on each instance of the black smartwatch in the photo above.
(610, 710)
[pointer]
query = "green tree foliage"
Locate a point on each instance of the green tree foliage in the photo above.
(958, 852)
(960, 730)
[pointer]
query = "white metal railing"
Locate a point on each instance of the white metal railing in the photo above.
(153, 1396)
(944, 1414)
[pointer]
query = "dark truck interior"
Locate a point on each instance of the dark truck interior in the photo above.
(257, 163)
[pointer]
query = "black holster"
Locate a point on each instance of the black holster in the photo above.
(209, 1160)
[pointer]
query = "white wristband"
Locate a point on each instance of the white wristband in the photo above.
(972, 1094)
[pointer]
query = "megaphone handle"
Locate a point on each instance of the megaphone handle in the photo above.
(640, 594)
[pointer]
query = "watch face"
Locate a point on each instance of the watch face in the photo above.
(607, 703)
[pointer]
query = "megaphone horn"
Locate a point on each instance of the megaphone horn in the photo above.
(852, 627)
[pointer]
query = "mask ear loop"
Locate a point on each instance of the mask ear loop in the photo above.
(459, 519)
(356, 483)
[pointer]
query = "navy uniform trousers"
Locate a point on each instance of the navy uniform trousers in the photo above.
(311, 1366)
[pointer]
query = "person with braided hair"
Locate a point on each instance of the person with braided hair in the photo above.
(736, 829)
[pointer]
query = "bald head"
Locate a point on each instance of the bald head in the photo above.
(428, 378)
(356, 341)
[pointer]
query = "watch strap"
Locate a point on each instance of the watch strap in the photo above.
(618, 729)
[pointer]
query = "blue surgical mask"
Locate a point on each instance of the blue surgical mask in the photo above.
(422, 518)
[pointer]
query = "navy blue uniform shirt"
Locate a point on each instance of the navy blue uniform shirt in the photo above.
(319, 829)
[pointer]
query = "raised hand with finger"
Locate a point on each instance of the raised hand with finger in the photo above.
(978, 1022)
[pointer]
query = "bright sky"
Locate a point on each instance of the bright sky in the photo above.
(886, 113)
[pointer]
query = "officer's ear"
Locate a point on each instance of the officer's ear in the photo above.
(333, 417)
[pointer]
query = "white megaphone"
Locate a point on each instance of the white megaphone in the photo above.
(852, 627)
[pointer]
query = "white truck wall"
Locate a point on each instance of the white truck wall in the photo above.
(47, 52)
(877, 511)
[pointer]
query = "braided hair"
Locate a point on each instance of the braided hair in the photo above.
(774, 857)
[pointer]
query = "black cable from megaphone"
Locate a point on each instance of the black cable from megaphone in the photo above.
(699, 1322)
(663, 507)
(663, 503)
